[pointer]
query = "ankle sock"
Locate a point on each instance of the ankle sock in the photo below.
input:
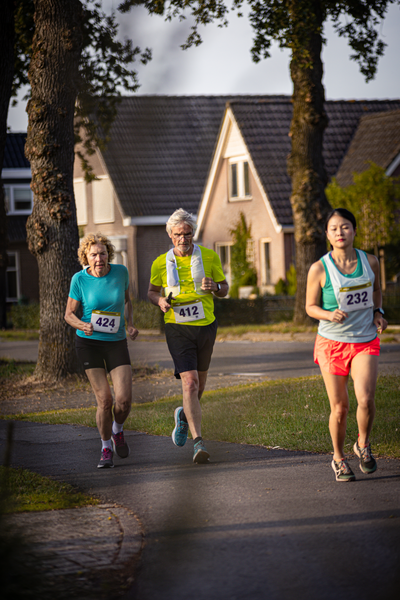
(182, 416)
(117, 428)
(197, 439)
(106, 444)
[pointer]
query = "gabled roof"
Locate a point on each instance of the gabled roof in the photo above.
(377, 139)
(160, 151)
(14, 157)
(161, 147)
(265, 125)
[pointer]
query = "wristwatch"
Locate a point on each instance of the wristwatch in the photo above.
(219, 287)
(379, 310)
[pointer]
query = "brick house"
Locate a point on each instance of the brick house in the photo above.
(215, 156)
(22, 272)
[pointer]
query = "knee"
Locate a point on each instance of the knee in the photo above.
(340, 411)
(366, 402)
(104, 402)
(123, 404)
(191, 385)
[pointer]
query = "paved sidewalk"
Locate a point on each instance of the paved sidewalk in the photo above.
(255, 523)
(83, 552)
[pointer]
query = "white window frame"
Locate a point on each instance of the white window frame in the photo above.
(262, 261)
(239, 161)
(16, 270)
(98, 219)
(11, 210)
(218, 246)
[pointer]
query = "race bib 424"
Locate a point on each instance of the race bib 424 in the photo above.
(106, 322)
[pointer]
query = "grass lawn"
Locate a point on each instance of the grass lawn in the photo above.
(291, 414)
(28, 491)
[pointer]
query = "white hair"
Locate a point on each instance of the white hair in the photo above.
(178, 217)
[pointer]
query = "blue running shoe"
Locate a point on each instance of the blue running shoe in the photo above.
(200, 455)
(180, 432)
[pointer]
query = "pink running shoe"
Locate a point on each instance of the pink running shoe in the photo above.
(120, 446)
(106, 459)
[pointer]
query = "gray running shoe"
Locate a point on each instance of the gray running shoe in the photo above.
(342, 470)
(200, 455)
(180, 432)
(106, 459)
(120, 445)
(367, 461)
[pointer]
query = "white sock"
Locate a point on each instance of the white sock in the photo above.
(106, 444)
(117, 428)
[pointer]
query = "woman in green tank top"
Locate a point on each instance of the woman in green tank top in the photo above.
(343, 293)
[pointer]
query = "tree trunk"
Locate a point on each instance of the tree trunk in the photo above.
(6, 77)
(52, 227)
(305, 162)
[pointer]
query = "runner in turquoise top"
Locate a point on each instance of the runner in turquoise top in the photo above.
(105, 294)
(101, 289)
(346, 280)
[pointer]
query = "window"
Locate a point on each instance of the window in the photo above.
(239, 180)
(103, 200)
(224, 252)
(12, 277)
(265, 262)
(19, 199)
(80, 201)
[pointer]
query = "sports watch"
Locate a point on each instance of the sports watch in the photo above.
(379, 310)
(219, 287)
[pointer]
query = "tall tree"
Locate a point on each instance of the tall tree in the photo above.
(6, 78)
(76, 69)
(298, 25)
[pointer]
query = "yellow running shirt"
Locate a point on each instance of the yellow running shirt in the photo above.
(182, 303)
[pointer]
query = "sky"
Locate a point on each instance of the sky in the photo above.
(222, 65)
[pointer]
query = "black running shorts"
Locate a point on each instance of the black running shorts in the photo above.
(191, 346)
(96, 354)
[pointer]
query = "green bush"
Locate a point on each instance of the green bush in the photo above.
(25, 316)
(281, 288)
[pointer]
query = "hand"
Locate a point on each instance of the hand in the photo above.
(132, 332)
(164, 304)
(338, 316)
(208, 285)
(87, 328)
(379, 322)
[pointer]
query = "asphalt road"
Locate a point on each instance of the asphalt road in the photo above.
(274, 360)
(253, 524)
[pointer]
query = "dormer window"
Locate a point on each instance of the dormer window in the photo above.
(239, 179)
(19, 199)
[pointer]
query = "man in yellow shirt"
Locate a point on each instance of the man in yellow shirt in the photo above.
(189, 275)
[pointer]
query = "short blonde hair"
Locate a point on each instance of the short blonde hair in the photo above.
(178, 217)
(88, 241)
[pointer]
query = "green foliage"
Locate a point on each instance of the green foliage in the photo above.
(288, 287)
(373, 199)
(105, 70)
(25, 316)
(281, 288)
(291, 24)
(291, 279)
(243, 273)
